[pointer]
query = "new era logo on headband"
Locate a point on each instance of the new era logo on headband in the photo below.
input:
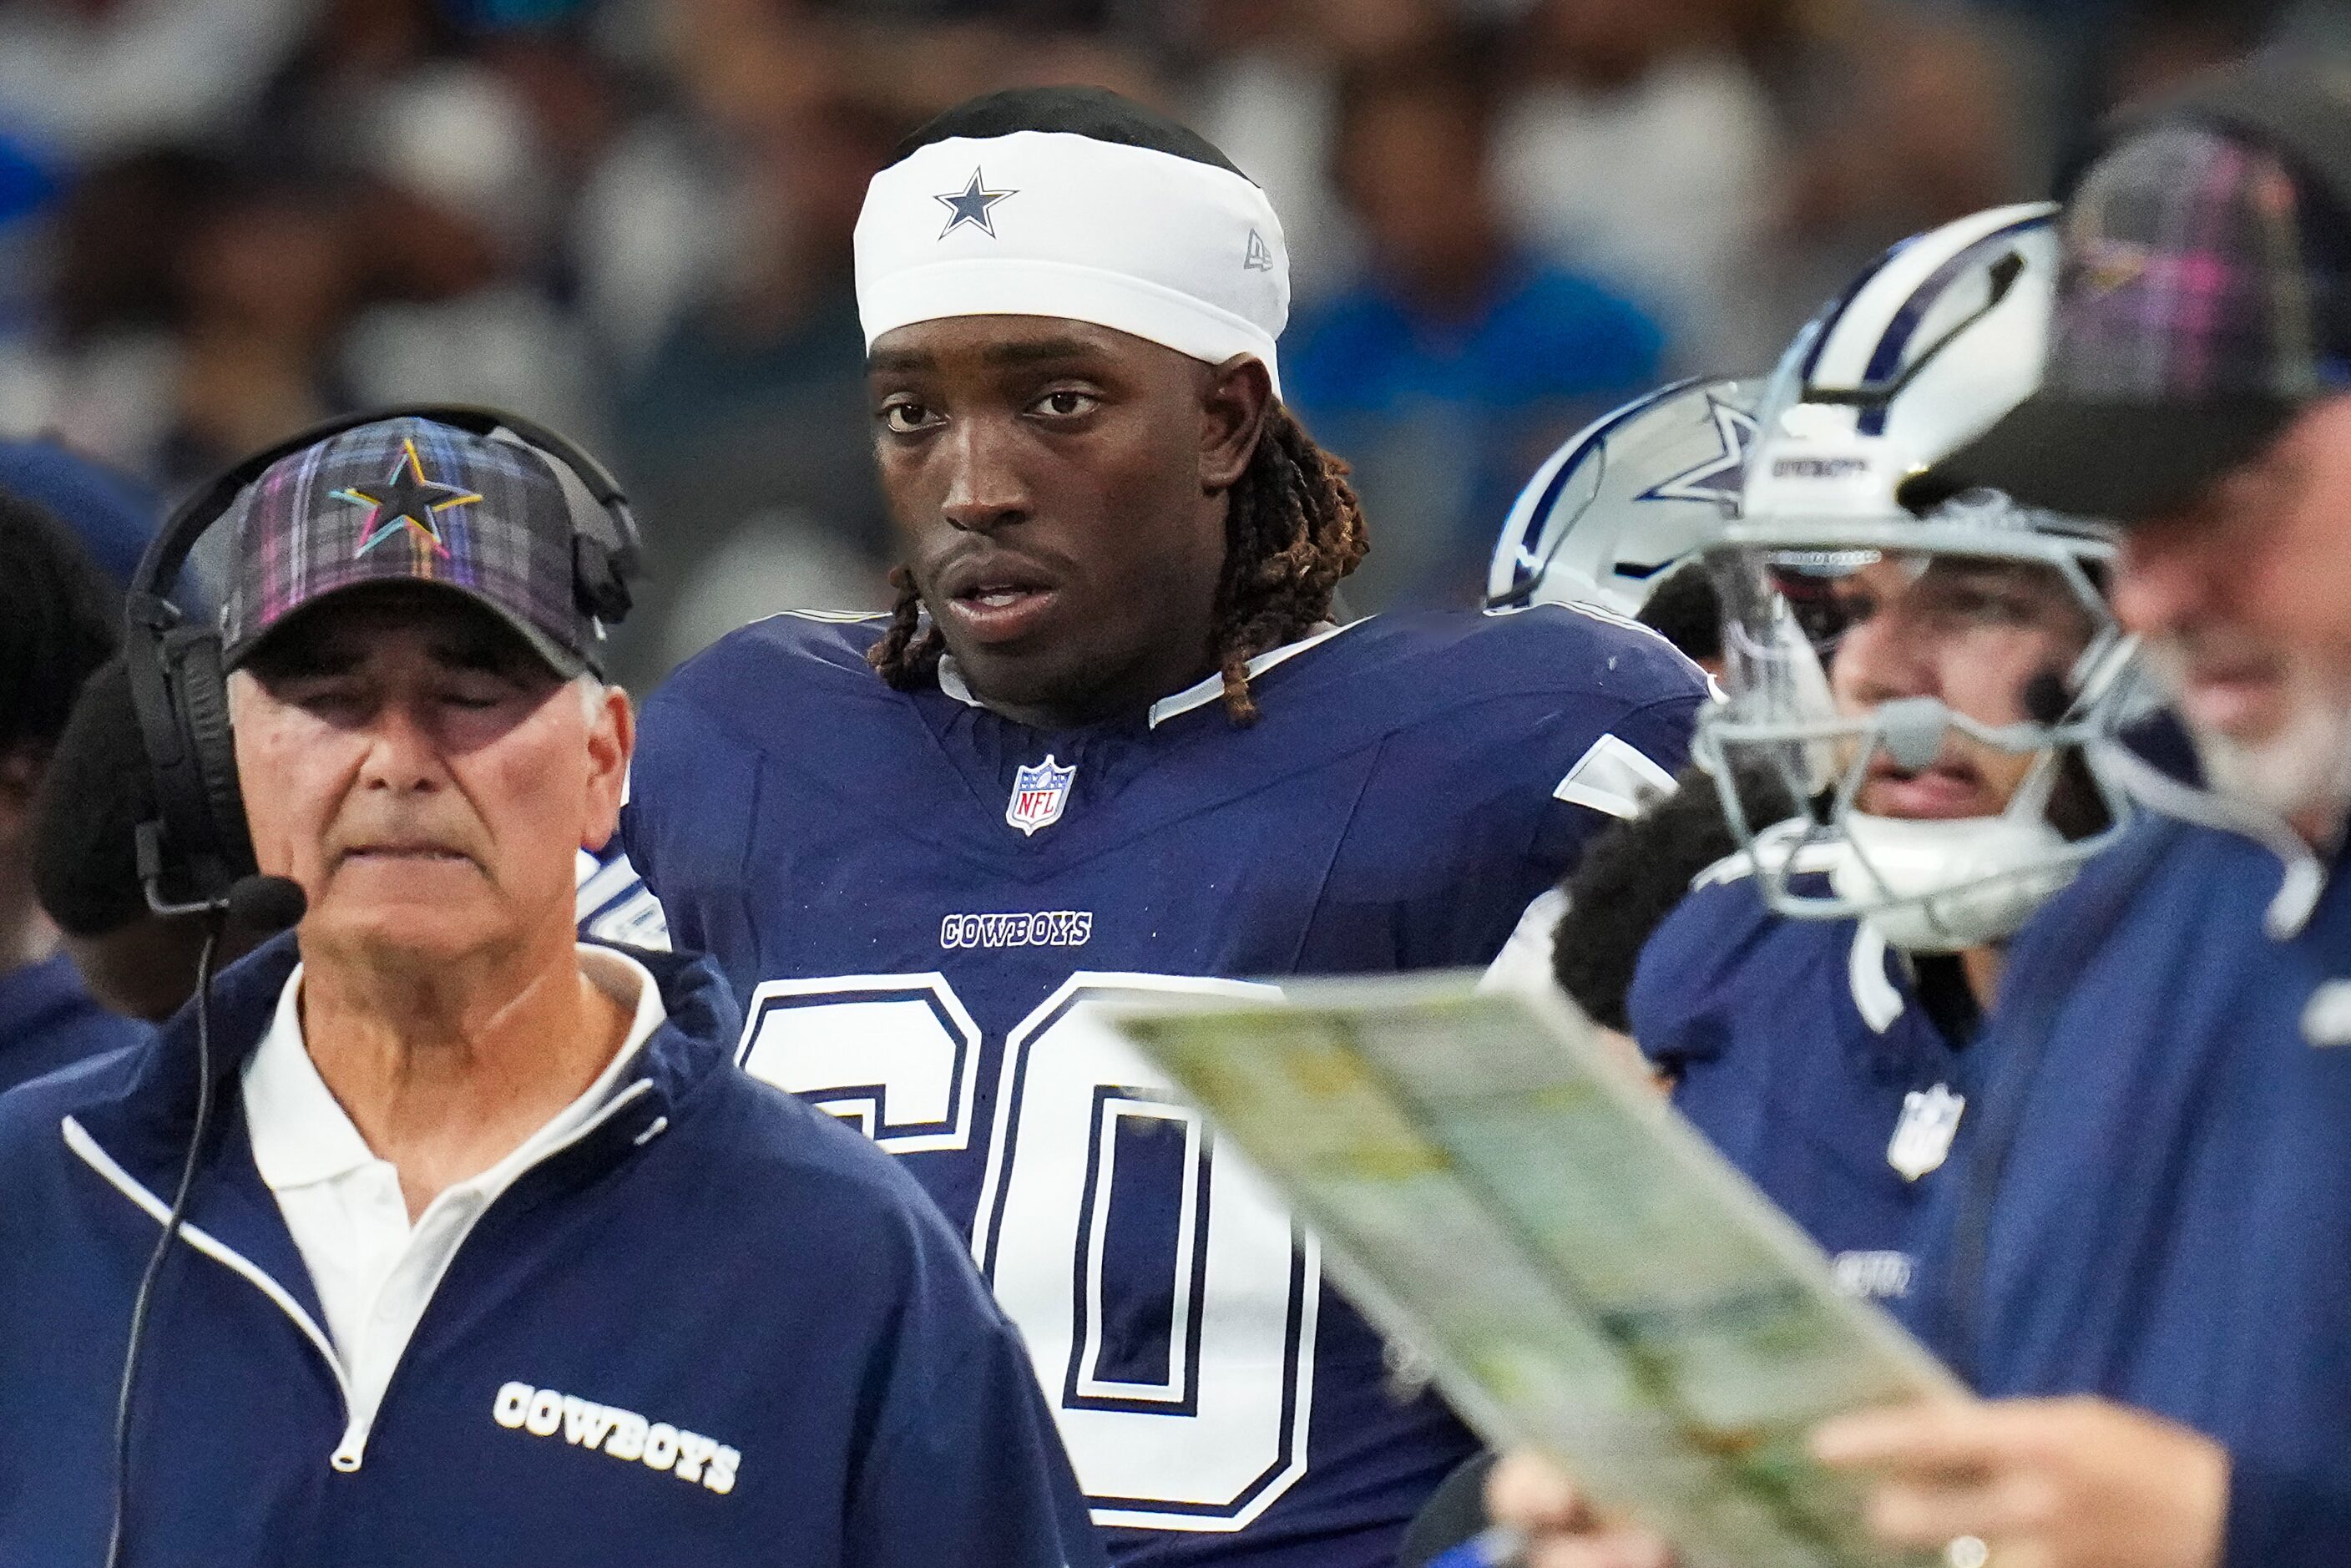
(1260, 256)
(971, 204)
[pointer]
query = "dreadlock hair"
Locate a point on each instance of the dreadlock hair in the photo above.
(1293, 525)
(1292, 530)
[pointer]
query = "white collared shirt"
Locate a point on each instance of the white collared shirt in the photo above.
(374, 1272)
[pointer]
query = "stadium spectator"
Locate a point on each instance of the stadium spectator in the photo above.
(478, 1175)
(1638, 145)
(1265, 88)
(58, 624)
(747, 431)
(104, 78)
(1457, 358)
(457, 206)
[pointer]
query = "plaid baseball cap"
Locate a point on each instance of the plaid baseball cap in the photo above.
(2200, 306)
(412, 500)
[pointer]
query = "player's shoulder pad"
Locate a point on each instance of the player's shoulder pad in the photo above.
(1715, 920)
(1431, 664)
(1690, 975)
(793, 665)
(755, 1137)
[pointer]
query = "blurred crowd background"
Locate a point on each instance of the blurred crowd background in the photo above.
(222, 219)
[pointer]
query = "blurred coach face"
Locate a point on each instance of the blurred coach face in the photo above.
(2244, 597)
(426, 779)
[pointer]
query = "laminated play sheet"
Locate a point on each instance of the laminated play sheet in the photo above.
(1505, 1195)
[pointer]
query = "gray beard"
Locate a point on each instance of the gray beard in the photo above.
(2301, 774)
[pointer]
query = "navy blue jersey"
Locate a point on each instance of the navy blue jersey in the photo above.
(1801, 1049)
(614, 904)
(912, 893)
(2156, 1202)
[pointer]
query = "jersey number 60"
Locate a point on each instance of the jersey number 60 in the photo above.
(1105, 1207)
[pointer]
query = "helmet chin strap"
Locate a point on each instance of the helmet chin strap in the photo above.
(1948, 885)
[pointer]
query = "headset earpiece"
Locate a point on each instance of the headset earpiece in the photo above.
(194, 657)
(597, 577)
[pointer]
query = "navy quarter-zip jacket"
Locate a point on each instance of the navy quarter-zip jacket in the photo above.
(2156, 1206)
(717, 1328)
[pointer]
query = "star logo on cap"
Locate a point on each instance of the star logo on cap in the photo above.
(410, 500)
(971, 204)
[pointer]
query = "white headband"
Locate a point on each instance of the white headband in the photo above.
(1050, 223)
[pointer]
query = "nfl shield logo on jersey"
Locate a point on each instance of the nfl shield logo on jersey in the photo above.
(1922, 1139)
(1038, 795)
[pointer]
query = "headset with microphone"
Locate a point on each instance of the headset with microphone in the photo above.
(196, 857)
(198, 848)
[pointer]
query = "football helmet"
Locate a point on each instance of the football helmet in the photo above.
(1942, 336)
(1626, 499)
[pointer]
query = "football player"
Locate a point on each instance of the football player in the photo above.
(1885, 671)
(1112, 741)
(1925, 688)
(1614, 521)
(1922, 686)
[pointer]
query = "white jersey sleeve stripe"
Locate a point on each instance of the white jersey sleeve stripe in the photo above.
(1616, 778)
(1524, 962)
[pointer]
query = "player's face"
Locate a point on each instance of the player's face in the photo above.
(1058, 488)
(424, 777)
(2243, 600)
(1971, 635)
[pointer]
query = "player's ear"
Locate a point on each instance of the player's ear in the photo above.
(1234, 400)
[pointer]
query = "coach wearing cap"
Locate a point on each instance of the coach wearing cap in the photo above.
(491, 1255)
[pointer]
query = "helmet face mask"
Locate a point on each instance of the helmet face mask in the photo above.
(1928, 686)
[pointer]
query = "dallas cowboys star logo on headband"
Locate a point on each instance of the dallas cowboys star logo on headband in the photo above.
(971, 204)
(409, 499)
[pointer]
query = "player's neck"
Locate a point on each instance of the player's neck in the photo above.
(1120, 696)
(1982, 966)
(445, 1072)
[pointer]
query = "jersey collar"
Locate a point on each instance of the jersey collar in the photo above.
(1875, 995)
(1197, 694)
